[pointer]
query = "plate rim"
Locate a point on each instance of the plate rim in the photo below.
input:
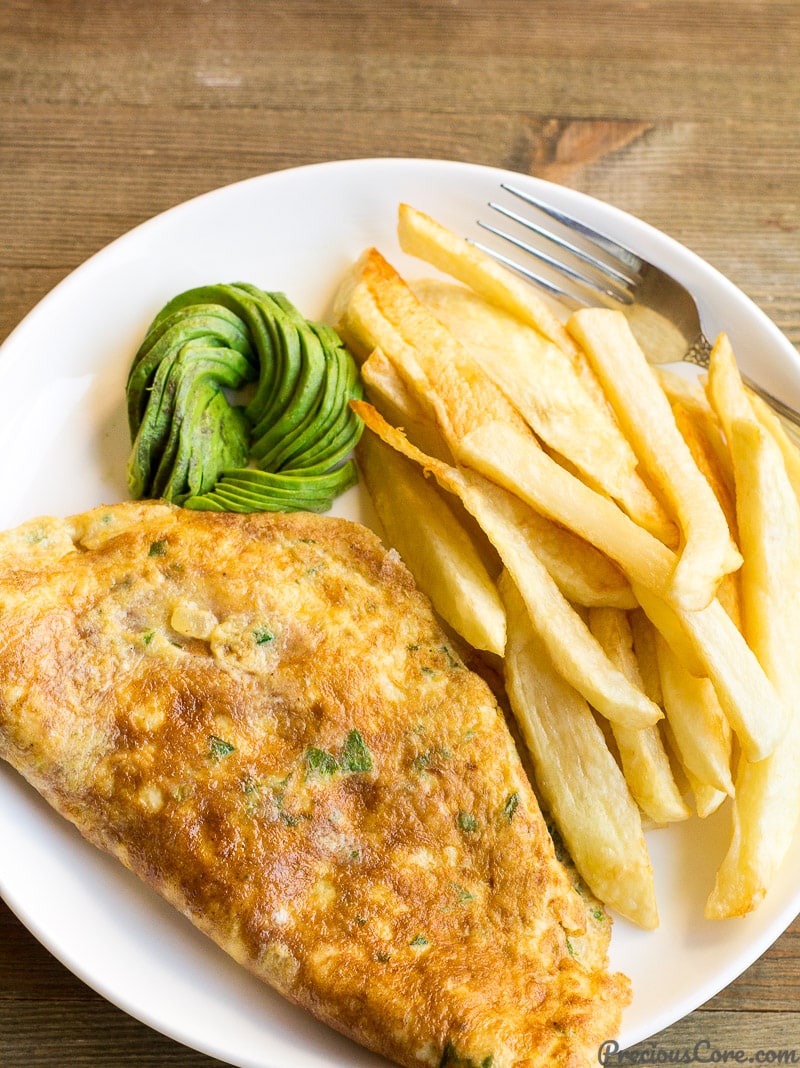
(14, 344)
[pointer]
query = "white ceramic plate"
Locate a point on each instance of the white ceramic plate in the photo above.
(63, 446)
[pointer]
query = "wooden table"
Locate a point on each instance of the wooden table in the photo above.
(684, 112)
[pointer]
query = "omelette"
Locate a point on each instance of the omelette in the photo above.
(262, 718)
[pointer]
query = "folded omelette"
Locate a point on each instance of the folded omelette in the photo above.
(262, 718)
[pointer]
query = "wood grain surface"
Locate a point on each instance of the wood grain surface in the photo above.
(683, 112)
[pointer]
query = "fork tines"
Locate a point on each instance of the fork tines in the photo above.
(592, 264)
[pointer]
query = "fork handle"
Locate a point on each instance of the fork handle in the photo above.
(699, 353)
(790, 417)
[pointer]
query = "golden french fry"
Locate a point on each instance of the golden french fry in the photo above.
(680, 389)
(503, 518)
(702, 733)
(763, 828)
(766, 809)
(444, 561)
(378, 306)
(645, 416)
(701, 432)
(695, 431)
(583, 574)
(644, 760)
(708, 643)
(788, 446)
(578, 778)
(769, 527)
(690, 394)
(541, 382)
(470, 409)
(645, 638)
(707, 799)
(727, 394)
(668, 622)
(385, 389)
(503, 453)
(368, 332)
(421, 236)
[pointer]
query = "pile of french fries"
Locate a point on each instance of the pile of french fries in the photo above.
(625, 541)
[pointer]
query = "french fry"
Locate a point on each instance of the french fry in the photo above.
(476, 420)
(708, 643)
(763, 827)
(689, 394)
(766, 809)
(702, 733)
(707, 799)
(421, 236)
(644, 760)
(583, 574)
(701, 432)
(698, 433)
(446, 564)
(541, 382)
(617, 515)
(379, 308)
(789, 449)
(727, 395)
(503, 518)
(578, 778)
(680, 389)
(644, 636)
(769, 525)
(646, 418)
(667, 622)
(470, 409)
(502, 453)
(385, 389)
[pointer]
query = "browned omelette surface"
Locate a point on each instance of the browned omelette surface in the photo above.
(261, 717)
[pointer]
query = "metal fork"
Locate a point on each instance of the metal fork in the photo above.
(588, 268)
